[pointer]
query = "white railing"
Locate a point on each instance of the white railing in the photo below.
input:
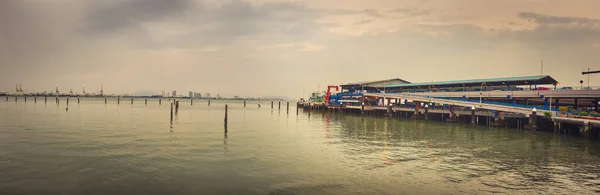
(503, 108)
(522, 94)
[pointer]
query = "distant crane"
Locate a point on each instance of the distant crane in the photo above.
(19, 89)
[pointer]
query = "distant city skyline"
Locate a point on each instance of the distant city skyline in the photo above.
(259, 48)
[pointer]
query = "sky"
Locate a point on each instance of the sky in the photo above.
(280, 47)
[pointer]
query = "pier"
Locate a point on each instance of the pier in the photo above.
(512, 102)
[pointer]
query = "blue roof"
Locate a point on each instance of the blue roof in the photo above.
(540, 80)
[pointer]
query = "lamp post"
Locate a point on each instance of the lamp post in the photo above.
(581, 85)
(481, 93)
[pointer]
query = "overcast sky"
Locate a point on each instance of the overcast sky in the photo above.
(277, 47)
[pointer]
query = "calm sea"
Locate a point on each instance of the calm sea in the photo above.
(97, 148)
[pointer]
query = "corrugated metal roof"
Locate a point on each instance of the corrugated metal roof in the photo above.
(542, 79)
(369, 82)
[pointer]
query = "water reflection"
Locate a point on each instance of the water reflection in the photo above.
(500, 159)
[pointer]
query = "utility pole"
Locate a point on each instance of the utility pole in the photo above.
(542, 71)
(588, 79)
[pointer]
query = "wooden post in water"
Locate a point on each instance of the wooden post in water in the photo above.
(16, 98)
(132, 100)
(118, 100)
(279, 104)
(45, 99)
(77, 99)
(208, 102)
(192, 102)
(105, 100)
(288, 107)
(159, 101)
(146, 101)
(67, 101)
(57, 101)
(297, 106)
(271, 104)
(25, 99)
(176, 106)
(225, 115)
(244, 103)
(171, 112)
(35, 99)
(7, 98)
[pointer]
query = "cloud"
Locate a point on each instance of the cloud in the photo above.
(372, 13)
(543, 19)
(412, 11)
(131, 13)
(361, 22)
(556, 31)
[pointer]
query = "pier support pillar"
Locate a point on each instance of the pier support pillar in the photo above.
(362, 109)
(426, 112)
(389, 107)
(473, 115)
(586, 129)
(575, 104)
(596, 105)
(533, 119)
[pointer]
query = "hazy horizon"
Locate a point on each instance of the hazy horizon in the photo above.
(280, 47)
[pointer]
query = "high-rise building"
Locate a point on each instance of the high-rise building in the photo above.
(174, 94)
(191, 94)
(198, 95)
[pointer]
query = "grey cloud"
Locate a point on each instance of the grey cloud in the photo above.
(372, 13)
(557, 20)
(412, 11)
(201, 24)
(361, 22)
(557, 31)
(132, 12)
